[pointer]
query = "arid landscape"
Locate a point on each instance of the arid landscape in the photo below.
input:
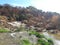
(28, 26)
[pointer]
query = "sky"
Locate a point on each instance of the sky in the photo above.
(45, 5)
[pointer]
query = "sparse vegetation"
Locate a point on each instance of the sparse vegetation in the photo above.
(36, 34)
(42, 40)
(3, 30)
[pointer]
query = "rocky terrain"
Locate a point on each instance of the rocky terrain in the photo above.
(17, 38)
(28, 26)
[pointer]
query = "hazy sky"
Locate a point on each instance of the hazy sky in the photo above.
(46, 5)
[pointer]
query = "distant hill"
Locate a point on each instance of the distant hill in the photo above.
(30, 15)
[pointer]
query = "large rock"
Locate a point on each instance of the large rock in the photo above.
(25, 35)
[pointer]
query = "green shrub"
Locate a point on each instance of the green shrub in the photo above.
(36, 34)
(26, 42)
(44, 42)
(50, 41)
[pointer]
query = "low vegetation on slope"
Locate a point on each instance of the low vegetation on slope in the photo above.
(41, 39)
(25, 37)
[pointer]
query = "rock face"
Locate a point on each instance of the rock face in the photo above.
(8, 26)
(25, 35)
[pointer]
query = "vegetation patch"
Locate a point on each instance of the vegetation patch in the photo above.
(3, 30)
(26, 42)
(36, 34)
(45, 42)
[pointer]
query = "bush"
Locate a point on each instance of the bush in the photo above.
(50, 41)
(44, 42)
(26, 42)
(36, 34)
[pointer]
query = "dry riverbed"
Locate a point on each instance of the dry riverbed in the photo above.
(57, 35)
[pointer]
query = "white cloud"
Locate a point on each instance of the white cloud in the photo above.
(47, 5)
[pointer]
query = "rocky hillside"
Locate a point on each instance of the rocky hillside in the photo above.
(30, 16)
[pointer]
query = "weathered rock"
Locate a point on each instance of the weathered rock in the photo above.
(25, 35)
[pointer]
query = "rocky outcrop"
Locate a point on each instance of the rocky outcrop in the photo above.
(25, 35)
(5, 24)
